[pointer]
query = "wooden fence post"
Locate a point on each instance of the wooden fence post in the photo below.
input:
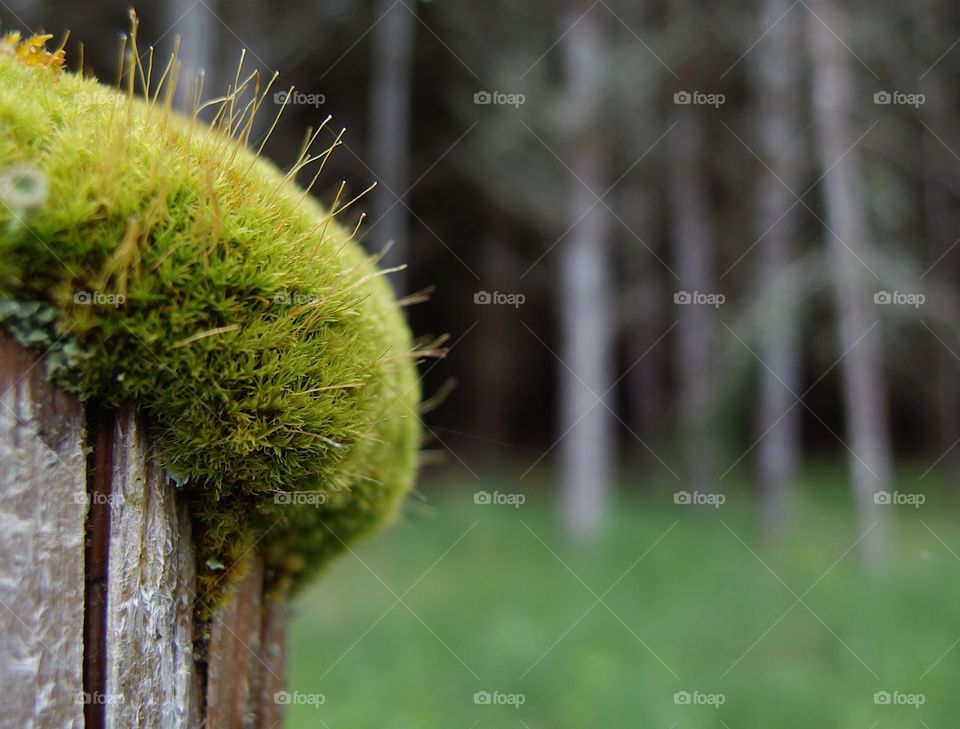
(97, 604)
(42, 489)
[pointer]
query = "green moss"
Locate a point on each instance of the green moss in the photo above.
(177, 271)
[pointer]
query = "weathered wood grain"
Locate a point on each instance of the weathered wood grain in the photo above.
(271, 678)
(112, 647)
(150, 675)
(235, 657)
(42, 511)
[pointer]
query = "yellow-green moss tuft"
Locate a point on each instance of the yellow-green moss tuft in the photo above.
(169, 267)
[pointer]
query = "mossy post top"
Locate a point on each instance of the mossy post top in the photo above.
(161, 263)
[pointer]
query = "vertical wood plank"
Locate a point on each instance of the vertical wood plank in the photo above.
(144, 589)
(271, 679)
(42, 512)
(234, 657)
(150, 667)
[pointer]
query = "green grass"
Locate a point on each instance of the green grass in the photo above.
(501, 606)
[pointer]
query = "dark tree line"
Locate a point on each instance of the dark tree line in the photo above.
(702, 207)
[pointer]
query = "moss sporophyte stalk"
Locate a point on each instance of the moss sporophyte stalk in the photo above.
(159, 262)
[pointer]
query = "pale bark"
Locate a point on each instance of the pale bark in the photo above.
(584, 302)
(42, 508)
(393, 38)
(693, 242)
(778, 80)
(864, 387)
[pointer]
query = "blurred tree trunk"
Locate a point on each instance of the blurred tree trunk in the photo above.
(584, 298)
(197, 28)
(777, 79)
(865, 397)
(693, 244)
(390, 130)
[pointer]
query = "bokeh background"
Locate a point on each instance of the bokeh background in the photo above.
(691, 456)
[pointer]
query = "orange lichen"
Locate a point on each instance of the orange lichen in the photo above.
(32, 51)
